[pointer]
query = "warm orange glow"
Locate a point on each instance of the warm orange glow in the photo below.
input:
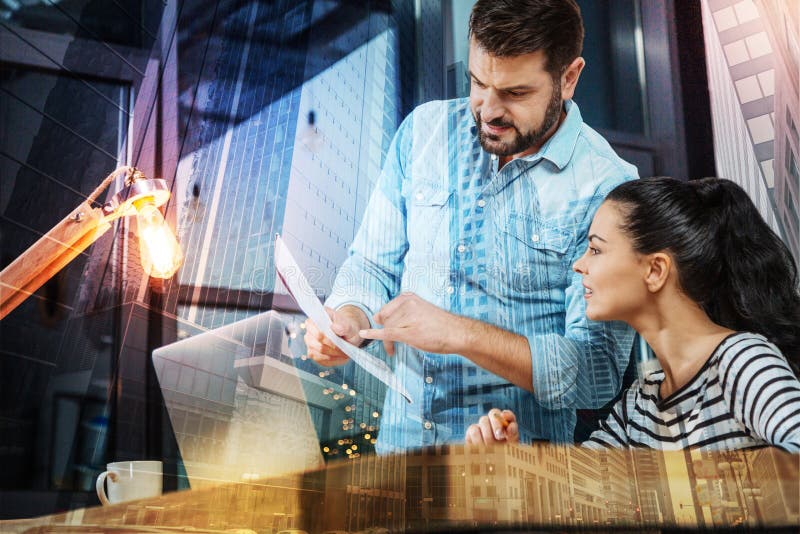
(159, 251)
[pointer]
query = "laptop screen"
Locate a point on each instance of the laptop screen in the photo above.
(243, 407)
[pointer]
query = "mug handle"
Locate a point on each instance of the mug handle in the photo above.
(101, 493)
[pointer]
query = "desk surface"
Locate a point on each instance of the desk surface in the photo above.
(458, 487)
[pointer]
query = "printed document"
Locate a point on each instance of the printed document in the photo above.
(299, 288)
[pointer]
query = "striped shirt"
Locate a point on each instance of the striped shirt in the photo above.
(745, 395)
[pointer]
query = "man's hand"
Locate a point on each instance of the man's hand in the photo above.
(495, 427)
(417, 323)
(347, 321)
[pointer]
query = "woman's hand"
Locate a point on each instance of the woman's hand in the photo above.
(495, 427)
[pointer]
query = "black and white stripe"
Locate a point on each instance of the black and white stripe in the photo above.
(745, 395)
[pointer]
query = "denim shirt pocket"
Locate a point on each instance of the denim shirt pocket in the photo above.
(426, 205)
(538, 254)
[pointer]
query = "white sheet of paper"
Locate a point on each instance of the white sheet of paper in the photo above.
(295, 281)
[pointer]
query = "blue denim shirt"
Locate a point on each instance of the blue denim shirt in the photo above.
(492, 245)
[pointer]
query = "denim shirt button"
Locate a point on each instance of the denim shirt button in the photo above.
(450, 289)
(428, 425)
(461, 248)
(429, 380)
(481, 203)
(535, 238)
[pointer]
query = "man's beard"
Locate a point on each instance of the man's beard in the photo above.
(521, 142)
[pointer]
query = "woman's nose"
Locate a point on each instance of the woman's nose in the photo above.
(578, 266)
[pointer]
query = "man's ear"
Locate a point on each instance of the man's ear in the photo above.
(569, 79)
(659, 269)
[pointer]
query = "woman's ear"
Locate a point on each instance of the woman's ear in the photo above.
(659, 267)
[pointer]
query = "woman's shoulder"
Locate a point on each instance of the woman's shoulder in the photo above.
(741, 349)
(745, 342)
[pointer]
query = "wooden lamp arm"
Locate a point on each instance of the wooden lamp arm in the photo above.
(54, 250)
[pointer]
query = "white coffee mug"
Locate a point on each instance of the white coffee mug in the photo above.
(128, 481)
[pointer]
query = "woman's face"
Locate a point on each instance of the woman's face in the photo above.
(613, 273)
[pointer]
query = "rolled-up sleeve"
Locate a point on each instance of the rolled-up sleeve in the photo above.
(583, 368)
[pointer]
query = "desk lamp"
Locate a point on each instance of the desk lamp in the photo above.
(159, 251)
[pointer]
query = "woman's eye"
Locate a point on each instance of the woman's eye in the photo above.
(593, 251)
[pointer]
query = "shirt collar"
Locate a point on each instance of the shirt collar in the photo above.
(559, 148)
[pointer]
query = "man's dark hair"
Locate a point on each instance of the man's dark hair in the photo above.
(506, 28)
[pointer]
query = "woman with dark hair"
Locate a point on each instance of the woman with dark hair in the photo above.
(713, 290)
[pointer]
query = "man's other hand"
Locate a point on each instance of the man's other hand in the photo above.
(347, 321)
(416, 322)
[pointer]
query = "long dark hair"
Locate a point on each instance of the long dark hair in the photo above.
(728, 259)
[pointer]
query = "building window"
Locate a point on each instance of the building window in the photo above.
(761, 129)
(748, 89)
(758, 45)
(746, 11)
(725, 19)
(736, 52)
(611, 90)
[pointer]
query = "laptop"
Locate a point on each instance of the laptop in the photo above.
(242, 409)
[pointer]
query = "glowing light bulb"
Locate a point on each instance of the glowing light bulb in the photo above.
(159, 251)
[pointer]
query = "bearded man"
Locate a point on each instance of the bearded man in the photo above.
(464, 252)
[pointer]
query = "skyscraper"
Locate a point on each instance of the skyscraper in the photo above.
(752, 53)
